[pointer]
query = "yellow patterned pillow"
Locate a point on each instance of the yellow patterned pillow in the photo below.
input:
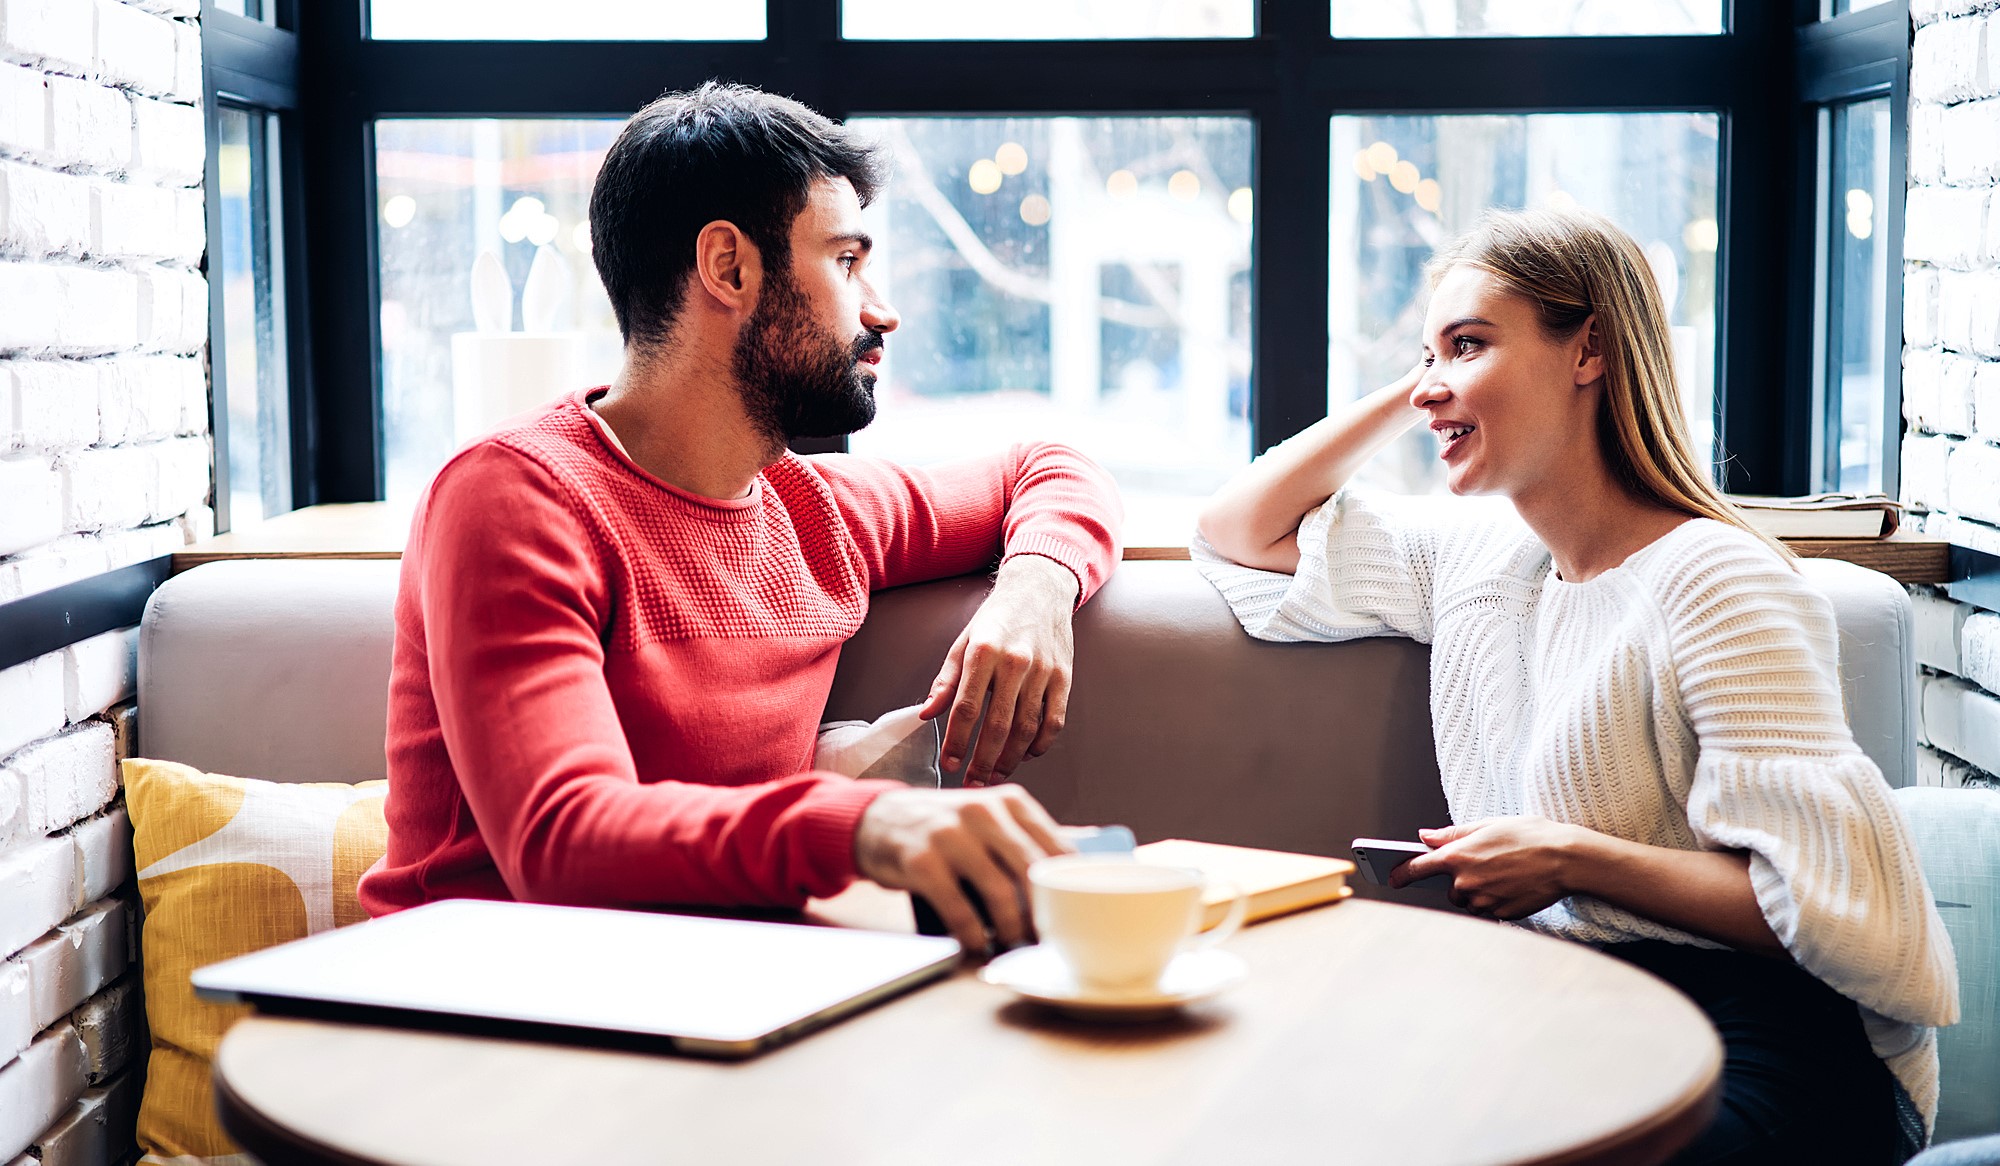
(229, 865)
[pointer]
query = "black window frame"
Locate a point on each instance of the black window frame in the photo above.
(1853, 57)
(252, 64)
(1769, 75)
(1290, 78)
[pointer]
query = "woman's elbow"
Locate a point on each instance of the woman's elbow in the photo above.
(1213, 527)
(1233, 541)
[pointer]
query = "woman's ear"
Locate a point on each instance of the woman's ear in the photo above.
(727, 267)
(1589, 353)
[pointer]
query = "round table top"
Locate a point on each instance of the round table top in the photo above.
(1366, 1032)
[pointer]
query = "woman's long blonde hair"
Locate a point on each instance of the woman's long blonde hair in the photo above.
(1571, 265)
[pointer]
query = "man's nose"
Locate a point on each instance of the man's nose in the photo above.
(877, 315)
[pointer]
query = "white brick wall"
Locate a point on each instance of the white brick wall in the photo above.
(104, 461)
(1951, 368)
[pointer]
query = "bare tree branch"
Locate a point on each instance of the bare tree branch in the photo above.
(916, 182)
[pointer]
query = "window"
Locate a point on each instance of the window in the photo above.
(1173, 355)
(259, 386)
(600, 20)
(1047, 20)
(449, 192)
(1424, 18)
(252, 399)
(1077, 279)
(1854, 83)
(1404, 185)
(274, 13)
(1856, 332)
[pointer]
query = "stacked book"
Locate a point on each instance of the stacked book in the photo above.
(1276, 882)
(1864, 516)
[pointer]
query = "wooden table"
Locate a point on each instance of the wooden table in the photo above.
(1367, 1033)
(378, 530)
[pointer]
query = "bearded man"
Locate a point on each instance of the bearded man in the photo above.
(619, 615)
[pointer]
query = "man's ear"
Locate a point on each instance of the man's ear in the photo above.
(727, 266)
(1589, 353)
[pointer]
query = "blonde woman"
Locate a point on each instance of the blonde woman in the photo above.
(1634, 696)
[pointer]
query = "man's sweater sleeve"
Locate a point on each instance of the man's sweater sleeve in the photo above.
(513, 601)
(1039, 498)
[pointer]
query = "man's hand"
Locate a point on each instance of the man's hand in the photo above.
(925, 841)
(1014, 658)
(1503, 868)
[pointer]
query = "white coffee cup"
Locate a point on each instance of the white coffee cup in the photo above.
(1118, 922)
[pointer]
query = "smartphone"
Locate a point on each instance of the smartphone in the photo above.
(1378, 856)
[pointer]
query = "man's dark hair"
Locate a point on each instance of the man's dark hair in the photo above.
(721, 151)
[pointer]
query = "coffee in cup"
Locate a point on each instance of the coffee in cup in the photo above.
(1118, 922)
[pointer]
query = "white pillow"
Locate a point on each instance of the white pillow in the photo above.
(897, 745)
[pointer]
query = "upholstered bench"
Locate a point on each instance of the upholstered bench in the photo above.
(1180, 725)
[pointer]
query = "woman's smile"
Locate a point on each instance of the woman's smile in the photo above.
(1453, 435)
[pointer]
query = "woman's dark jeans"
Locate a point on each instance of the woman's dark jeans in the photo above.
(1799, 1082)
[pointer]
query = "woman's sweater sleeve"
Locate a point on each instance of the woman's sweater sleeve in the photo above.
(1777, 774)
(1369, 565)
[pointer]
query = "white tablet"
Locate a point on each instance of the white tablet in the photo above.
(692, 984)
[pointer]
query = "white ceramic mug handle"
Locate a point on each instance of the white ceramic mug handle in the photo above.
(1232, 920)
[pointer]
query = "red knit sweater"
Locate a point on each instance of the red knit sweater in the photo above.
(607, 690)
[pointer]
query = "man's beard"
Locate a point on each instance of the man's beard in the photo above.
(798, 381)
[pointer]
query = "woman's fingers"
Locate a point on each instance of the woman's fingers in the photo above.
(1443, 835)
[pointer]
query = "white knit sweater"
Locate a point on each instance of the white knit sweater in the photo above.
(1686, 698)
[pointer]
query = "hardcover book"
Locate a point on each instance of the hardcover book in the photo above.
(1278, 882)
(1822, 515)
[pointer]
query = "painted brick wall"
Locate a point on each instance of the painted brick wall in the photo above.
(104, 461)
(1951, 368)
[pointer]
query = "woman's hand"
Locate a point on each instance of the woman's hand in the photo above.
(1510, 868)
(1502, 868)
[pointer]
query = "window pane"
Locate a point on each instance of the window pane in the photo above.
(253, 376)
(1859, 287)
(1842, 7)
(1404, 185)
(1047, 20)
(1419, 18)
(447, 191)
(1078, 279)
(572, 20)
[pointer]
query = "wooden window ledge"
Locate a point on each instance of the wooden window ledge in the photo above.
(377, 530)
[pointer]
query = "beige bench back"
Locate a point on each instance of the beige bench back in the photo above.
(1180, 725)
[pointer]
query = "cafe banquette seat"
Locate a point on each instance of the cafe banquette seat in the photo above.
(1180, 725)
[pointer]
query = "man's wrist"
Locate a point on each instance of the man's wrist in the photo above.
(1041, 575)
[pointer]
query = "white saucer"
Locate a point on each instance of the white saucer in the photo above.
(1039, 974)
